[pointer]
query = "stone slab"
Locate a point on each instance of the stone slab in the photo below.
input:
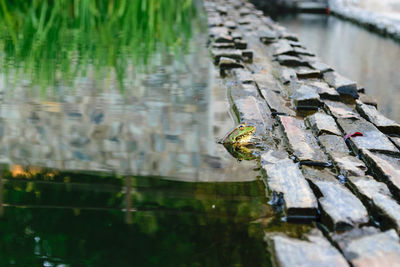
(386, 168)
(287, 75)
(395, 140)
(302, 51)
(370, 247)
(341, 208)
(284, 177)
(291, 61)
(379, 196)
(366, 99)
(218, 31)
(229, 63)
(302, 142)
(340, 110)
(314, 251)
(227, 53)
(230, 24)
(372, 139)
(307, 73)
(267, 36)
(343, 85)
(240, 44)
(338, 151)
(243, 76)
(282, 47)
(223, 45)
(324, 90)
(322, 67)
(322, 123)
(306, 97)
(384, 124)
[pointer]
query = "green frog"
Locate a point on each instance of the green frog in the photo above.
(237, 140)
(241, 135)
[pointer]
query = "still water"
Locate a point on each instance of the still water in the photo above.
(109, 121)
(363, 56)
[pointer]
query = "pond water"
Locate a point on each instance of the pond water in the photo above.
(109, 121)
(363, 56)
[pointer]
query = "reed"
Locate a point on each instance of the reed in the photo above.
(49, 39)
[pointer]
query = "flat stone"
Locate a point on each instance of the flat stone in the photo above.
(228, 63)
(287, 75)
(302, 142)
(370, 248)
(230, 24)
(292, 61)
(343, 85)
(275, 101)
(223, 10)
(227, 53)
(386, 168)
(324, 90)
(395, 140)
(339, 153)
(307, 73)
(217, 31)
(267, 36)
(223, 38)
(302, 51)
(284, 177)
(372, 139)
(244, 21)
(380, 197)
(322, 67)
(295, 44)
(243, 76)
(215, 21)
(322, 123)
(254, 112)
(247, 55)
(366, 99)
(236, 35)
(241, 90)
(306, 97)
(315, 251)
(340, 110)
(341, 209)
(282, 47)
(289, 36)
(240, 44)
(384, 124)
(244, 11)
(223, 45)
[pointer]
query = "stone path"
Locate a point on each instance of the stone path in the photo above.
(314, 166)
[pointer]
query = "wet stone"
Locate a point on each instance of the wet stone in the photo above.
(254, 112)
(216, 31)
(369, 100)
(302, 142)
(340, 110)
(284, 177)
(227, 53)
(384, 124)
(223, 10)
(275, 102)
(289, 36)
(223, 45)
(290, 61)
(287, 75)
(240, 90)
(341, 209)
(324, 90)
(282, 47)
(244, 21)
(247, 55)
(215, 22)
(306, 97)
(314, 251)
(395, 140)
(302, 51)
(377, 194)
(236, 36)
(307, 73)
(244, 12)
(240, 44)
(366, 247)
(372, 139)
(386, 168)
(322, 123)
(343, 85)
(267, 36)
(228, 63)
(322, 67)
(243, 76)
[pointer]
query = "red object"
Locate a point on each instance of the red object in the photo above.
(347, 136)
(327, 11)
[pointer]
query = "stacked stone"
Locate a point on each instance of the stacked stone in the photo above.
(305, 109)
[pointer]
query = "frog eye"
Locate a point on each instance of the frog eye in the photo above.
(241, 127)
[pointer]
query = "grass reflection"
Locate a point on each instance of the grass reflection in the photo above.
(55, 41)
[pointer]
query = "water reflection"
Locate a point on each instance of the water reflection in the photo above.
(73, 219)
(356, 53)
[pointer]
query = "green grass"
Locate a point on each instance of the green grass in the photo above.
(49, 42)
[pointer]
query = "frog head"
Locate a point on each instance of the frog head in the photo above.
(239, 135)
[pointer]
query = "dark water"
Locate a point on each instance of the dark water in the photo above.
(109, 121)
(363, 56)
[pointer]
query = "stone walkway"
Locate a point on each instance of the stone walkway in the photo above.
(328, 155)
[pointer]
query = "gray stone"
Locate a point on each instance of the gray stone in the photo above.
(370, 248)
(284, 177)
(291, 61)
(289, 36)
(340, 110)
(244, 21)
(324, 90)
(223, 10)
(217, 31)
(228, 63)
(366, 99)
(322, 67)
(240, 44)
(287, 75)
(243, 76)
(244, 11)
(215, 21)
(302, 51)
(254, 112)
(341, 209)
(372, 138)
(343, 85)
(387, 169)
(295, 44)
(223, 45)
(223, 38)
(230, 24)
(302, 142)
(322, 123)
(315, 251)
(227, 53)
(379, 196)
(395, 140)
(384, 124)
(281, 47)
(267, 36)
(306, 97)
(307, 73)
(236, 36)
